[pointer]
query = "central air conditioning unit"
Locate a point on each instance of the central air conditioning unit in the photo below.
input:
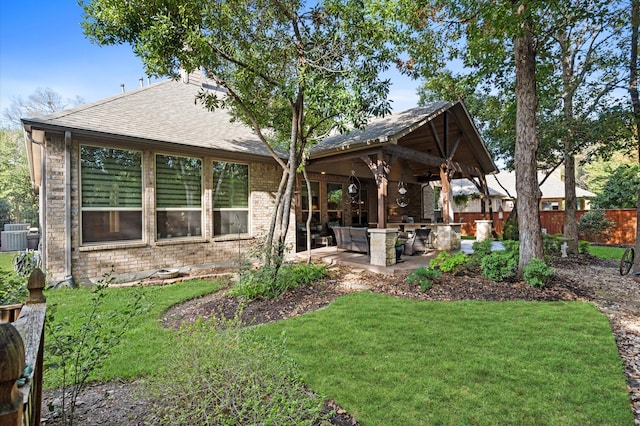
(14, 240)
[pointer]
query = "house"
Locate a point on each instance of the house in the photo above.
(502, 193)
(149, 180)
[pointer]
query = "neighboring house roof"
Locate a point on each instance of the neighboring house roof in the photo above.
(551, 188)
(166, 112)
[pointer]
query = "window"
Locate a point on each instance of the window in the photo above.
(111, 192)
(360, 209)
(334, 203)
(178, 196)
(315, 202)
(230, 198)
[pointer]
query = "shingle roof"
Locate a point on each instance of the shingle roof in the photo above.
(551, 188)
(383, 129)
(164, 112)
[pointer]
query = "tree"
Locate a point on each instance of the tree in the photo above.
(499, 42)
(41, 102)
(15, 184)
(579, 65)
(291, 70)
(635, 102)
(620, 190)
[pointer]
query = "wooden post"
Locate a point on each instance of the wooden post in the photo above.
(12, 361)
(35, 285)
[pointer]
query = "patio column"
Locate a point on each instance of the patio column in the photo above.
(382, 246)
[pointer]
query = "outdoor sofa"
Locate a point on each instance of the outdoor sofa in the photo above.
(352, 238)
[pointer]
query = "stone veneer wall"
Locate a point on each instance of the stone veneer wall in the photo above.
(135, 260)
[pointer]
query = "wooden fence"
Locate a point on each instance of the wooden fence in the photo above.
(22, 344)
(623, 231)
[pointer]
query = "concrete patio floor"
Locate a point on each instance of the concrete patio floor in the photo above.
(331, 255)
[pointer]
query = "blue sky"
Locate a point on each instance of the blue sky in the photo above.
(42, 46)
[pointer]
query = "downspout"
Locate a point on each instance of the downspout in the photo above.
(35, 144)
(68, 275)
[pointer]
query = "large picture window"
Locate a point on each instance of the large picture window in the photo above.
(111, 193)
(230, 198)
(178, 196)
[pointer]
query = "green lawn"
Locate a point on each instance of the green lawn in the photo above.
(145, 344)
(607, 252)
(6, 262)
(394, 361)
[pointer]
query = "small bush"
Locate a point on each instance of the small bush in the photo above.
(423, 277)
(510, 230)
(260, 283)
(13, 289)
(551, 244)
(537, 273)
(73, 355)
(500, 265)
(223, 374)
(594, 225)
(449, 263)
(482, 248)
(583, 247)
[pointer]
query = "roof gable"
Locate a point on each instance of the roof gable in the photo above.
(434, 133)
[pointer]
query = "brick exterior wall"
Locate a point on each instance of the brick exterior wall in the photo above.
(137, 259)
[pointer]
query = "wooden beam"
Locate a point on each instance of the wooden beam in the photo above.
(445, 117)
(431, 160)
(455, 146)
(380, 169)
(436, 138)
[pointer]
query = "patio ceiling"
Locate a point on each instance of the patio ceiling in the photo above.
(425, 137)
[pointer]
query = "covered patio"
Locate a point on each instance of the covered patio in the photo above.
(333, 256)
(393, 174)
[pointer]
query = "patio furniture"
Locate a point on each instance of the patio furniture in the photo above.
(418, 242)
(352, 238)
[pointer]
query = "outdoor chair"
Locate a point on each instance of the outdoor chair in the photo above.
(418, 242)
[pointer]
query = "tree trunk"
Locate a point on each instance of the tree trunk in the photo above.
(527, 189)
(635, 101)
(570, 222)
(310, 209)
(570, 209)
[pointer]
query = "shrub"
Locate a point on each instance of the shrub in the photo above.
(551, 244)
(260, 283)
(482, 248)
(228, 375)
(510, 230)
(13, 289)
(423, 277)
(447, 262)
(500, 265)
(537, 273)
(594, 225)
(73, 354)
(583, 247)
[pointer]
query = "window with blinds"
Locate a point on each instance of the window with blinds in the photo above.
(111, 194)
(178, 196)
(230, 198)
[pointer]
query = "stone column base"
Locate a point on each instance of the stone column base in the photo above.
(382, 246)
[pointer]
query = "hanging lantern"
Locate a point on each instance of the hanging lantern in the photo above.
(402, 190)
(353, 187)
